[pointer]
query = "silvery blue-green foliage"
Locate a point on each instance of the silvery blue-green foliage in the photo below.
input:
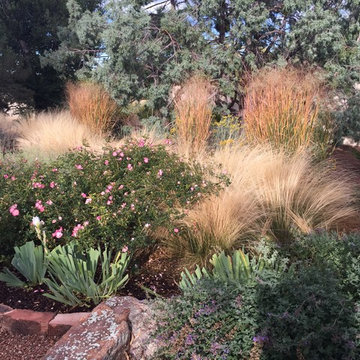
(73, 274)
(31, 262)
(238, 269)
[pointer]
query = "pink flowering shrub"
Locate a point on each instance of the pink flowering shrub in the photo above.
(115, 199)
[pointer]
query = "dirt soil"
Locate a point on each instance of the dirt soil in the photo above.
(19, 347)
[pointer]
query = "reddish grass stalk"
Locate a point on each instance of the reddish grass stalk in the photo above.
(281, 107)
(193, 109)
(92, 105)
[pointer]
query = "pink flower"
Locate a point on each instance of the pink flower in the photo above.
(141, 143)
(83, 195)
(167, 141)
(37, 185)
(110, 187)
(13, 178)
(160, 172)
(54, 170)
(79, 167)
(122, 154)
(121, 187)
(176, 230)
(146, 160)
(98, 218)
(129, 167)
(88, 201)
(6, 176)
(52, 184)
(123, 205)
(114, 153)
(147, 225)
(13, 210)
(49, 202)
(53, 221)
(86, 223)
(39, 206)
(106, 162)
(125, 249)
(58, 233)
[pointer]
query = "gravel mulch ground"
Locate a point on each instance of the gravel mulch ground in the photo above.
(19, 347)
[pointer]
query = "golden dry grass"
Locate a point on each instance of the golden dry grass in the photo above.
(91, 105)
(193, 111)
(54, 133)
(272, 194)
(281, 107)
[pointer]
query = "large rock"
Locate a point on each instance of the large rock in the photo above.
(26, 322)
(103, 335)
(142, 322)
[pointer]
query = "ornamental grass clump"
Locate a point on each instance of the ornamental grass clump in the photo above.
(91, 105)
(282, 107)
(271, 194)
(193, 112)
(49, 134)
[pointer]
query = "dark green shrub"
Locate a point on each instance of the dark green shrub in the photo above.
(114, 198)
(307, 315)
(304, 312)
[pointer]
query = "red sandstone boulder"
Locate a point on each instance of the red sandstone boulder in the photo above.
(26, 322)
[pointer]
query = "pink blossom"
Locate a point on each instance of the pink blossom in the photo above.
(53, 221)
(38, 185)
(58, 233)
(123, 205)
(121, 187)
(147, 225)
(110, 187)
(141, 143)
(52, 184)
(86, 223)
(114, 153)
(102, 193)
(76, 229)
(13, 178)
(83, 195)
(122, 154)
(88, 201)
(13, 210)
(49, 202)
(6, 176)
(125, 249)
(106, 162)
(176, 230)
(167, 141)
(98, 218)
(160, 172)
(60, 218)
(54, 170)
(146, 160)
(129, 167)
(39, 206)
(79, 167)
(132, 207)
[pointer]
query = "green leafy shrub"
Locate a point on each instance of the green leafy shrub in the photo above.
(114, 198)
(73, 274)
(301, 312)
(212, 320)
(30, 261)
(306, 315)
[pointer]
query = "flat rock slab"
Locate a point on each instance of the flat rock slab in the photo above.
(61, 323)
(103, 335)
(4, 308)
(26, 322)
